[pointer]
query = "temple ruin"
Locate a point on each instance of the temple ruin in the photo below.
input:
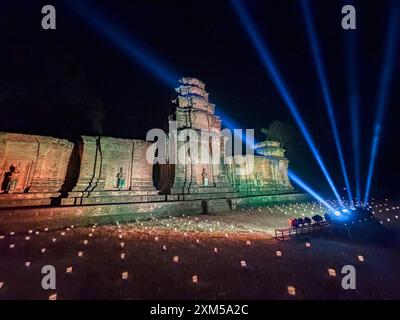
(105, 175)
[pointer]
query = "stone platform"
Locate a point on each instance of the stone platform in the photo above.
(109, 197)
(27, 199)
(60, 216)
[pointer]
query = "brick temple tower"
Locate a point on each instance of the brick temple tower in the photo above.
(195, 113)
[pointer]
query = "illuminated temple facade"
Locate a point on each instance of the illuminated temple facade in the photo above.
(104, 175)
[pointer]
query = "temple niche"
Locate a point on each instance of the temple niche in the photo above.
(195, 114)
(32, 168)
(265, 172)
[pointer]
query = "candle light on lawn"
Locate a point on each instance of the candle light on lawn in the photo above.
(279, 253)
(1, 284)
(43, 250)
(85, 242)
(53, 296)
(46, 229)
(195, 279)
(332, 272)
(215, 250)
(54, 239)
(291, 290)
(243, 264)
(27, 264)
(122, 256)
(164, 247)
(197, 241)
(156, 239)
(122, 244)
(248, 242)
(90, 234)
(176, 259)
(30, 231)
(124, 275)
(308, 245)
(80, 254)
(1, 237)
(360, 258)
(12, 233)
(37, 232)
(27, 238)
(12, 246)
(68, 270)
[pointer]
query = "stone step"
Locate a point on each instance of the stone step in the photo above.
(216, 205)
(201, 196)
(71, 201)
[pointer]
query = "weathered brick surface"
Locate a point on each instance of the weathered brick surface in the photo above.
(39, 166)
(263, 173)
(195, 112)
(103, 160)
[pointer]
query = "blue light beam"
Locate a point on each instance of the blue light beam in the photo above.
(384, 86)
(310, 191)
(138, 53)
(271, 68)
(127, 43)
(231, 124)
(354, 105)
(325, 90)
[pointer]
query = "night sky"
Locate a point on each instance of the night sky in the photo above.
(74, 80)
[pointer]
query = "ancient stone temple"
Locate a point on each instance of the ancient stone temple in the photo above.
(266, 172)
(194, 116)
(105, 176)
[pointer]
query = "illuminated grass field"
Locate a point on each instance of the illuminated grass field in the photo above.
(234, 256)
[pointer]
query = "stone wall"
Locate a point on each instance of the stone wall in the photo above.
(32, 168)
(263, 173)
(112, 170)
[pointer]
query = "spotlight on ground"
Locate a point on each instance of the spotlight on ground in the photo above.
(315, 48)
(310, 191)
(271, 68)
(384, 86)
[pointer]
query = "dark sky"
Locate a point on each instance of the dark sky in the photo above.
(54, 82)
